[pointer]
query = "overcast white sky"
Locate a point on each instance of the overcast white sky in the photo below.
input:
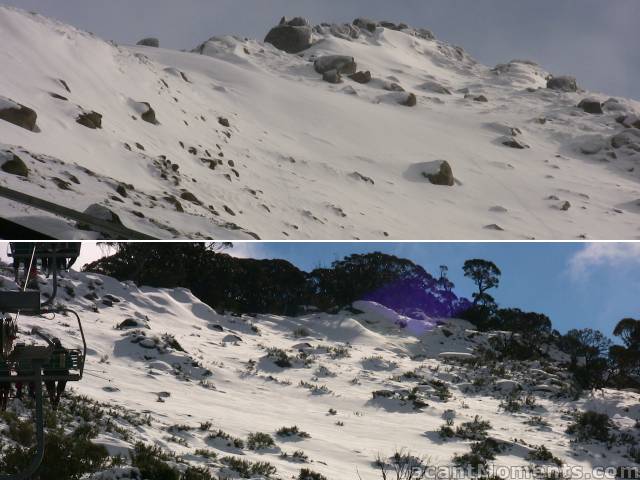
(595, 40)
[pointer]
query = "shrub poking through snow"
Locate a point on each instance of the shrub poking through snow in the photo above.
(441, 390)
(403, 465)
(474, 430)
(301, 332)
(247, 469)
(297, 456)
(230, 441)
(537, 421)
(151, 461)
(279, 357)
(542, 454)
(306, 474)
(259, 440)
(590, 425)
(292, 432)
(171, 342)
(197, 473)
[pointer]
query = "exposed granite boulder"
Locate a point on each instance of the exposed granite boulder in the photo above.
(18, 114)
(291, 36)
(12, 164)
(343, 64)
(439, 172)
(91, 119)
(563, 83)
(366, 24)
(591, 105)
(149, 42)
(361, 77)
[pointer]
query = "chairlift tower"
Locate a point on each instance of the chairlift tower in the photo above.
(34, 365)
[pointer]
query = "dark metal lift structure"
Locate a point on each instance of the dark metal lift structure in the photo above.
(34, 365)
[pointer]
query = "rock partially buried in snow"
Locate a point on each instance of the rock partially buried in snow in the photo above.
(332, 76)
(13, 165)
(629, 121)
(435, 87)
(291, 36)
(231, 338)
(145, 111)
(513, 143)
(366, 24)
(591, 105)
(343, 64)
(102, 213)
(438, 172)
(361, 77)
(627, 138)
(392, 87)
(563, 83)
(18, 114)
(149, 42)
(411, 100)
(91, 119)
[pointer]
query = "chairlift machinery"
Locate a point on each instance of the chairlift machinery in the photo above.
(31, 366)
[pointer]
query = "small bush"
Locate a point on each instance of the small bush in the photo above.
(301, 332)
(231, 441)
(306, 474)
(247, 469)
(205, 453)
(537, 421)
(205, 426)
(446, 431)
(475, 430)
(472, 461)
(441, 390)
(297, 456)
(151, 461)
(279, 357)
(292, 432)
(339, 352)
(171, 341)
(591, 425)
(197, 473)
(259, 440)
(402, 465)
(542, 454)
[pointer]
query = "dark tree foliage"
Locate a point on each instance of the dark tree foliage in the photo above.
(358, 275)
(486, 275)
(394, 282)
(240, 285)
(588, 349)
(534, 326)
(219, 280)
(69, 456)
(626, 357)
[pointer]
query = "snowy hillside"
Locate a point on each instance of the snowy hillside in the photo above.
(172, 372)
(238, 139)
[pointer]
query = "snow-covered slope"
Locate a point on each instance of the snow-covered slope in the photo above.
(359, 385)
(302, 158)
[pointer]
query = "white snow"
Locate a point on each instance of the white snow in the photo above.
(295, 142)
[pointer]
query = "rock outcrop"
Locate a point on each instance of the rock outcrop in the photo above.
(291, 36)
(18, 114)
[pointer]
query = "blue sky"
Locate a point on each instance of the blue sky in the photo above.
(578, 285)
(593, 39)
